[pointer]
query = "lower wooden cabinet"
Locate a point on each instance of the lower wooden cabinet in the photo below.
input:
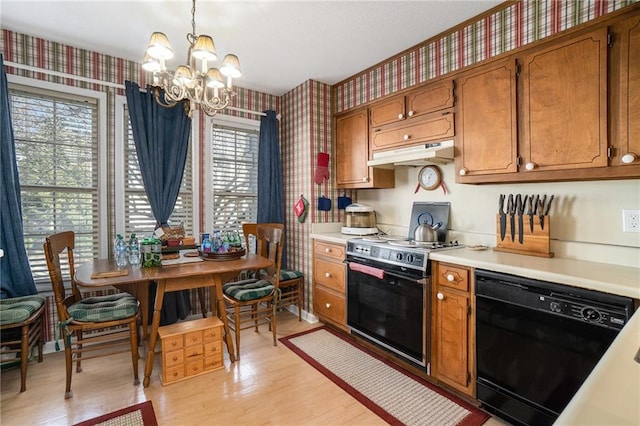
(329, 289)
(190, 348)
(453, 336)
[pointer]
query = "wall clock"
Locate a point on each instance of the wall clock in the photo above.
(430, 177)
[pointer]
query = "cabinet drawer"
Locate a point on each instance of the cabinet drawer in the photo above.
(173, 358)
(193, 352)
(172, 343)
(194, 367)
(329, 305)
(193, 338)
(211, 334)
(329, 274)
(333, 251)
(213, 348)
(453, 277)
(174, 374)
(212, 363)
(424, 129)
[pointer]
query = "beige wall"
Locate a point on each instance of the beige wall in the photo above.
(586, 217)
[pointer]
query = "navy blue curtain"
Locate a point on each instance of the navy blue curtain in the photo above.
(270, 188)
(15, 276)
(161, 136)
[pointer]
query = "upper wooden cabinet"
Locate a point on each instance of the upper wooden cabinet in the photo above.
(487, 139)
(352, 154)
(424, 100)
(625, 96)
(564, 105)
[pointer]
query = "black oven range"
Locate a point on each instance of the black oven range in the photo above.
(388, 294)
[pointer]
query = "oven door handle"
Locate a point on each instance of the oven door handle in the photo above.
(384, 271)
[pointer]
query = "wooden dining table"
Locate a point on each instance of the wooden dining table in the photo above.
(207, 273)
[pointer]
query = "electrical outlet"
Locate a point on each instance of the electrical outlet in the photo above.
(631, 220)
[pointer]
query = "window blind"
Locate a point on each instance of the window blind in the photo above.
(139, 218)
(56, 138)
(234, 153)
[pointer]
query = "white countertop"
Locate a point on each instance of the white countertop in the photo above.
(611, 394)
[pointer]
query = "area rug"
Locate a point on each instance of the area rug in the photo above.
(137, 415)
(397, 396)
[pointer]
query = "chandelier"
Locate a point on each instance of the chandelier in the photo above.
(194, 82)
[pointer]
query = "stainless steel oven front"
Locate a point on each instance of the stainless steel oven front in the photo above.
(389, 308)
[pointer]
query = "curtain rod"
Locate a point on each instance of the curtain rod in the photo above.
(102, 83)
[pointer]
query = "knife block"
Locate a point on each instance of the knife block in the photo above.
(534, 243)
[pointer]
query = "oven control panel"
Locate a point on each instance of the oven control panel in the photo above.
(410, 258)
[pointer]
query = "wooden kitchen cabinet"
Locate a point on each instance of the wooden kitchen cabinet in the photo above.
(421, 115)
(415, 103)
(625, 96)
(190, 348)
(329, 283)
(487, 129)
(352, 154)
(564, 107)
(453, 337)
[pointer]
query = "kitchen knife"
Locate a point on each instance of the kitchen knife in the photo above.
(503, 217)
(540, 210)
(511, 209)
(520, 204)
(531, 211)
(546, 211)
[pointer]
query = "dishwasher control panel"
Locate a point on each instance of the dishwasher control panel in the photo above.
(587, 311)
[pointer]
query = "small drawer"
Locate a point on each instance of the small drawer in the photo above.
(173, 358)
(193, 352)
(212, 348)
(453, 277)
(213, 363)
(329, 274)
(174, 374)
(211, 334)
(334, 251)
(172, 343)
(193, 338)
(329, 305)
(194, 367)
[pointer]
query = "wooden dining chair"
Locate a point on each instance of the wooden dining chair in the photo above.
(291, 282)
(254, 301)
(21, 330)
(89, 327)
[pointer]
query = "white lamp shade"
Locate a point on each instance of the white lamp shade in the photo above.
(231, 66)
(183, 75)
(204, 48)
(214, 78)
(151, 65)
(159, 46)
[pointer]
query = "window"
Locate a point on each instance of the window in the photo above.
(139, 218)
(234, 177)
(56, 138)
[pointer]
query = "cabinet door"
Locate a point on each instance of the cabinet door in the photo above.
(626, 95)
(431, 98)
(486, 141)
(451, 327)
(388, 111)
(352, 154)
(565, 105)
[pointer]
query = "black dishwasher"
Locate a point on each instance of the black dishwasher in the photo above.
(537, 342)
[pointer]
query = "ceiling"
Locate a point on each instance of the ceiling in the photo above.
(281, 44)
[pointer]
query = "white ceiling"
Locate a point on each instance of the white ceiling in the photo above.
(281, 44)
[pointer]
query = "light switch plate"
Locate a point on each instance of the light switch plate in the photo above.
(631, 220)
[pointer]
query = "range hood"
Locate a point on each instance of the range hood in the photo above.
(417, 155)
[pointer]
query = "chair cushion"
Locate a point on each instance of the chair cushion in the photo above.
(17, 309)
(104, 308)
(248, 289)
(289, 275)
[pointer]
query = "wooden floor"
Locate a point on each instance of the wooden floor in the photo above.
(269, 385)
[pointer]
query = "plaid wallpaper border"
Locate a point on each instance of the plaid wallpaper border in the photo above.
(514, 26)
